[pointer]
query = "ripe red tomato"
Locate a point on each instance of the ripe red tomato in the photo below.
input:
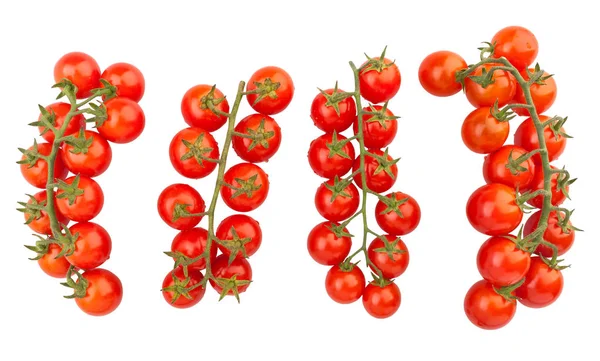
(526, 137)
(274, 90)
(325, 247)
(501, 262)
(329, 119)
(52, 266)
(197, 114)
(553, 234)
(379, 82)
(482, 133)
(437, 73)
(401, 219)
(85, 206)
(267, 139)
(37, 174)
(378, 179)
(239, 233)
(60, 111)
(190, 152)
(39, 222)
(81, 69)
(251, 185)
(392, 261)
(492, 209)
(239, 268)
(92, 247)
(89, 159)
(328, 158)
(169, 288)
(345, 285)
(128, 80)
(103, 295)
(543, 95)
(192, 243)
(558, 197)
(542, 285)
(125, 122)
(517, 44)
(486, 309)
(502, 89)
(339, 208)
(381, 301)
(177, 198)
(378, 131)
(495, 167)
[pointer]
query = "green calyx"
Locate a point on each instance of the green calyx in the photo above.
(70, 191)
(380, 116)
(33, 209)
(231, 285)
(339, 230)
(267, 88)
(333, 100)
(180, 210)
(502, 115)
(338, 188)
(377, 64)
(392, 204)
(259, 136)
(47, 120)
(389, 248)
(80, 144)
(41, 247)
(336, 147)
(380, 281)
(196, 150)
(486, 50)
(236, 245)
(180, 287)
(507, 291)
(31, 156)
(537, 76)
(384, 163)
(79, 287)
(514, 165)
(246, 186)
(209, 101)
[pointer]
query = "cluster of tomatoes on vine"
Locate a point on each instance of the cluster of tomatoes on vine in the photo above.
(194, 153)
(332, 156)
(524, 266)
(70, 148)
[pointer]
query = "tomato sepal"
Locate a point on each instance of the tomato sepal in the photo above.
(231, 284)
(79, 287)
(180, 286)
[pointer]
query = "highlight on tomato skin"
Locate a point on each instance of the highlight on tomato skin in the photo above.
(437, 73)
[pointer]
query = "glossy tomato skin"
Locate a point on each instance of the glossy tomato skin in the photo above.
(526, 137)
(195, 116)
(486, 309)
(325, 247)
(543, 285)
(558, 197)
(284, 92)
(517, 44)
(52, 266)
(191, 167)
(378, 87)
(375, 134)
(244, 172)
(180, 194)
(381, 302)
(192, 243)
(325, 116)
(437, 73)
(244, 227)
(543, 95)
(394, 223)
(492, 210)
(81, 69)
(254, 151)
(482, 133)
(87, 205)
(60, 111)
(240, 268)
(128, 80)
(390, 268)
(495, 170)
(502, 89)
(195, 277)
(125, 122)
(104, 293)
(37, 175)
(42, 224)
(91, 163)
(501, 262)
(329, 167)
(345, 286)
(553, 234)
(379, 182)
(343, 205)
(92, 247)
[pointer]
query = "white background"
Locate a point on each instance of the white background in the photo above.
(286, 313)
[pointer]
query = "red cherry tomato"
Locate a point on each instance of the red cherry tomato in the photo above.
(495, 167)
(337, 208)
(558, 197)
(401, 219)
(251, 185)
(104, 293)
(328, 158)
(239, 268)
(526, 137)
(197, 113)
(60, 111)
(92, 247)
(267, 139)
(543, 285)
(345, 285)
(239, 233)
(553, 234)
(194, 153)
(492, 210)
(52, 266)
(517, 44)
(379, 83)
(180, 300)
(37, 173)
(192, 243)
(91, 159)
(40, 222)
(177, 198)
(543, 95)
(482, 133)
(502, 89)
(128, 80)
(437, 73)
(378, 131)
(81, 69)
(329, 119)
(378, 179)
(381, 301)
(393, 260)
(125, 121)
(325, 247)
(274, 90)
(84, 206)
(486, 309)
(501, 262)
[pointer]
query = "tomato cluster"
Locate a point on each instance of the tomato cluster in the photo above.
(524, 266)
(194, 153)
(332, 156)
(64, 166)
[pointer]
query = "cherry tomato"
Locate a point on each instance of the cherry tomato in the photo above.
(393, 260)
(86, 205)
(502, 89)
(486, 309)
(526, 137)
(239, 268)
(39, 222)
(176, 201)
(274, 90)
(196, 111)
(342, 206)
(378, 131)
(345, 285)
(328, 158)
(501, 262)
(169, 293)
(239, 233)
(60, 111)
(482, 133)
(192, 243)
(542, 285)
(437, 73)
(92, 247)
(191, 151)
(492, 209)
(381, 301)
(495, 167)
(543, 95)
(125, 122)
(380, 82)
(81, 69)
(52, 266)
(325, 247)
(104, 293)
(90, 159)
(251, 185)
(267, 138)
(401, 219)
(378, 179)
(37, 174)
(553, 234)
(128, 80)
(517, 44)
(329, 119)
(558, 197)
